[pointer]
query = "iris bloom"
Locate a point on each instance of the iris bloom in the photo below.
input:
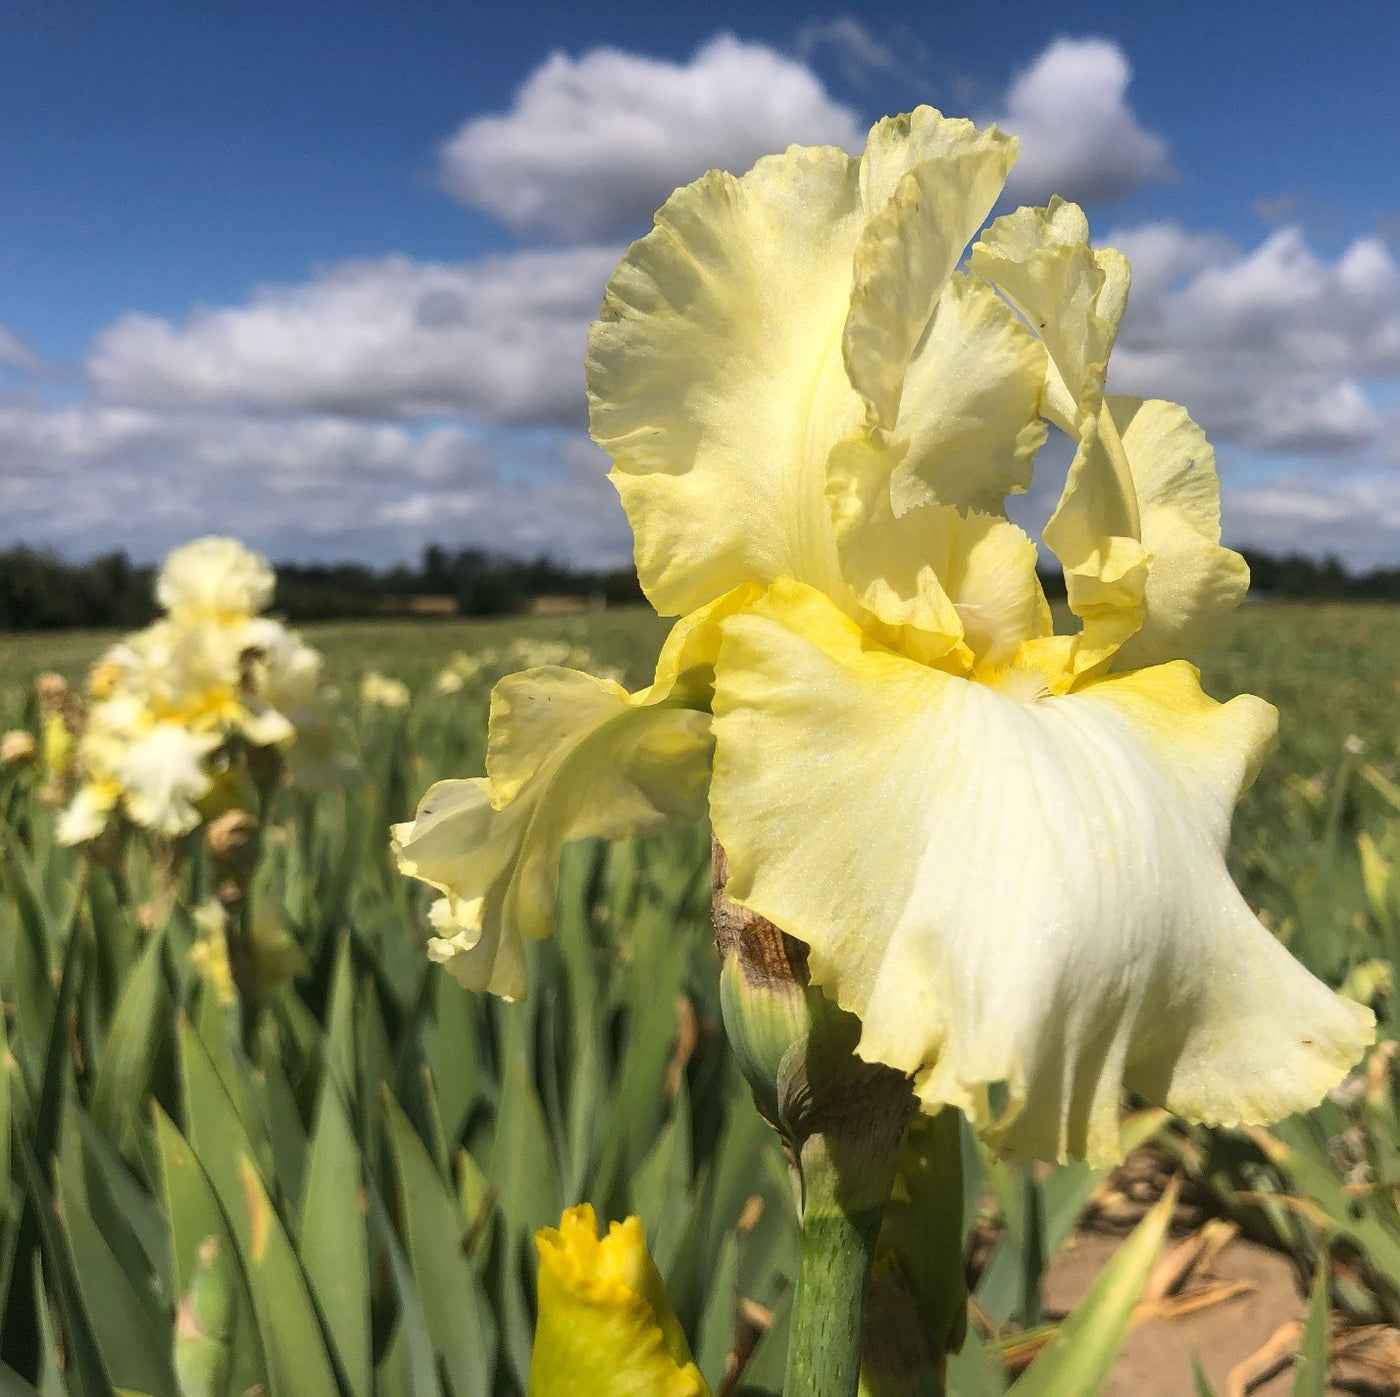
(1004, 847)
(166, 699)
(606, 1327)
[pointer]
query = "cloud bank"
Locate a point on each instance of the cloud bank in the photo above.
(592, 146)
(384, 403)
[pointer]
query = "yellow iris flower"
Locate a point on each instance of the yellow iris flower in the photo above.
(606, 1327)
(165, 699)
(1004, 847)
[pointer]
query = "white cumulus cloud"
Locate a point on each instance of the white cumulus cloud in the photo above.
(500, 340)
(1080, 137)
(1269, 348)
(593, 145)
(89, 478)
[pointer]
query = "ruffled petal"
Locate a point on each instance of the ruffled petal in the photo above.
(947, 588)
(1193, 583)
(568, 757)
(1094, 532)
(715, 376)
(971, 406)
(1040, 900)
(1071, 294)
(606, 1326)
(968, 430)
(161, 774)
(215, 579)
(927, 183)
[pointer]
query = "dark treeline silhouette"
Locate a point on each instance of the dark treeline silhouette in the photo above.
(41, 592)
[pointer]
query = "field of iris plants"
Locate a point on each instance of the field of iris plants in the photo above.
(318, 1172)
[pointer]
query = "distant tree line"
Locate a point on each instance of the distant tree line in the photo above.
(1295, 576)
(39, 591)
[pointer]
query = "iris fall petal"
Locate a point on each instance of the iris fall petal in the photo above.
(1041, 906)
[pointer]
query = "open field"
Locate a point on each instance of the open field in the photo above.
(375, 1147)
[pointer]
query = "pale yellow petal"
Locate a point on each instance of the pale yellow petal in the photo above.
(1040, 900)
(458, 844)
(715, 376)
(968, 430)
(1072, 295)
(1094, 534)
(86, 815)
(569, 757)
(1193, 583)
(969, 423)
(161, 774)
(927, 184)
(942, 583)
(971, 407)
(214, 579)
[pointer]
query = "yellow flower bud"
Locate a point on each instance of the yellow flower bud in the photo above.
(606, 1327)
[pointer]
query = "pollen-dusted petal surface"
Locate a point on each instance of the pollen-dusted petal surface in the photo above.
(606, 1327)
(1025, 893)
(1193, 583)
(715, 376)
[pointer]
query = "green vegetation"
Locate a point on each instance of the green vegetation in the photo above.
(339, 1196)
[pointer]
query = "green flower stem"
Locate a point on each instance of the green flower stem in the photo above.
(841, 1120)
(838, 1248)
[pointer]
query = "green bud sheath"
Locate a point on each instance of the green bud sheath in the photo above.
(841, 1120)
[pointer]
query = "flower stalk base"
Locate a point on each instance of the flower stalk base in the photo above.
(841, 1121)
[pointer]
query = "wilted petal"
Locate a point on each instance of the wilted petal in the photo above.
(1193, 583)
(1043, 902)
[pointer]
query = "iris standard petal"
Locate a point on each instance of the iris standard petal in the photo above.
(715, 376)
(1071, 294)
(968, 429)
(927, 184)
(1044, 913)
(1193, 583)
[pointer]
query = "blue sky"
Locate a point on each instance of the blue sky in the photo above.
(318, 274)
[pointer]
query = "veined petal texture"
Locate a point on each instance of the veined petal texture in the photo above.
(1037, 903)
